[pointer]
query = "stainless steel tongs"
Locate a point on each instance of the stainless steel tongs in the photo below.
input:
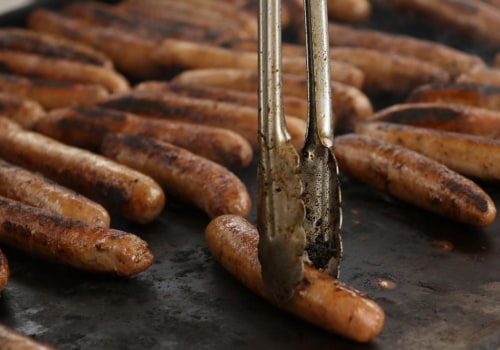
(298, 201)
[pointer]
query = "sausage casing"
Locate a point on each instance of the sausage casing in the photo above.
(209, 186)
(318, 299)
(116, 187)
(86, 127)
(72, 242)
(414, 178)
(35, 190)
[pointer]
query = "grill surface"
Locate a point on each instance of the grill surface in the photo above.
(446, 295)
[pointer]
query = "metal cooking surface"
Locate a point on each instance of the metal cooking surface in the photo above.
(446, 291)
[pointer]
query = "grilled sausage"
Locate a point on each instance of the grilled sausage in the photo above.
(454, 61)
(11, 339)
(86, 126)
(57, 69)
(71, 242)
(152, 18)
(350, 11)
(349, 104)
(414, 178)
(472, 94)
(383, 72)
(191, 55)
(474, 156)
(240, 119)
(116, 187)
(51, 94)
(4, 271)
(23, 111)
(495, 3)
(486, 76)
(130, 54)
(472, 18)
(233, 242)
(443, 116)
(193, 179)
(292, 105)
(30, 41)
(35, 190)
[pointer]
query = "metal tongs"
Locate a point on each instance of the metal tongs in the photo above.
(298, 201)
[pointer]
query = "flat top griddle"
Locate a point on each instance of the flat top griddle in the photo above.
(446, 279)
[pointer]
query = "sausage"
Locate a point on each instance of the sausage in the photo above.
(414, 178)
(229, 17)
(118, 188)
(473, 156)
(472, 94)
(144, 23)
(130, 54)
(452, 60)
(71, 242)
(193, 179)
(86, 126)
(51, 94)
(486, 76)
(240, 119)
(23, 111)
(495, 3)
(4, 271)
(443, 116)
(30, 41)
(383, 72)
(350, 11)
(33, 65)
(292, 105)
(471, 18)
(232, 240)
(11, 339)
(349, 104)
(192, 55)
(35, 190)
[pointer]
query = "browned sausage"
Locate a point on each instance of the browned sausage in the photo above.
(71, 242)
(11, 339)
(35, 190)
(37, 66)
(414, 178)
(474, 156)
(86, 126)
(383, 71)
(23, 111)
(495, 3)
(192, 55)
(193, 179)
(293, 105)
(349, 103)
(240, 119)
(486, 76)
(351, 11)
(130, 54)
(233, 242)
(443, 116)
(473, 94)
(452, 60)
(52, 94)
(4, 271)
(116, 187)
(228, 17)
(30, 41)
(469, 18)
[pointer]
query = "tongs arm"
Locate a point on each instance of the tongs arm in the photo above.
(280, 210)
